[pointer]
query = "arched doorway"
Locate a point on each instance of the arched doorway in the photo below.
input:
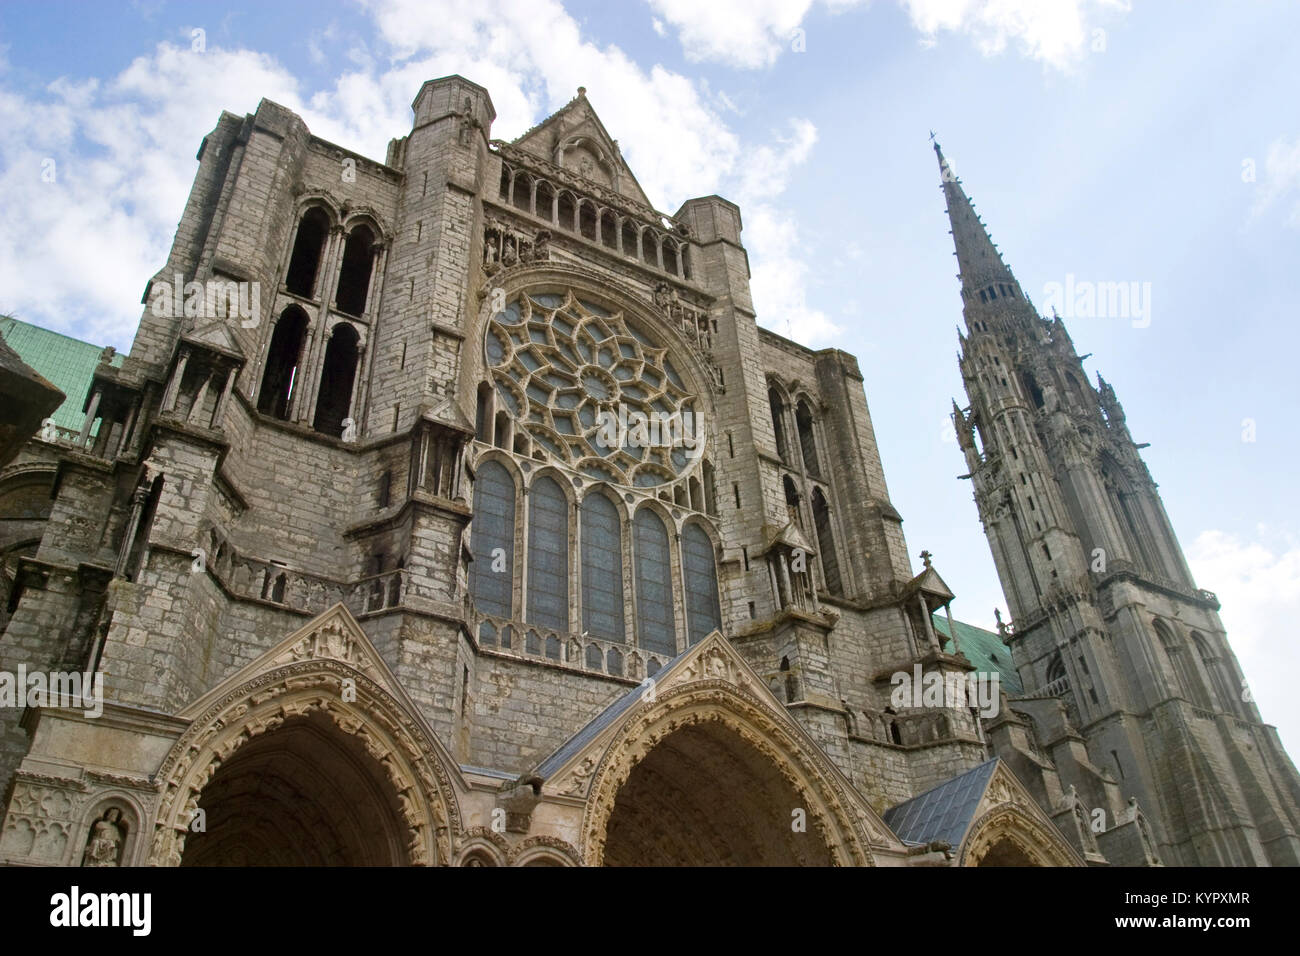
(704, 796)
(1006, 853)
(303, 794)
(1009, 836)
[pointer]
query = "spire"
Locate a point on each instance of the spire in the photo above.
(977, 257)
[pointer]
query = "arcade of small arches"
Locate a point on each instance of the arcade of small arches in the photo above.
(603, 225)
(330, 278)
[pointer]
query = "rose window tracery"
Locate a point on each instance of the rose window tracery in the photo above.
(592, 390)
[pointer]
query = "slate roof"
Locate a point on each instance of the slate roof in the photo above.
(945, 812)
(605, 718)
(68, 363)
(982, 648)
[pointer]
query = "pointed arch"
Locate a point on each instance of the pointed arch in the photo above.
(308, 247)
(302, 681)
(781, 758)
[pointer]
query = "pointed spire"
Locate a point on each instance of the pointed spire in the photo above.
(978, 258)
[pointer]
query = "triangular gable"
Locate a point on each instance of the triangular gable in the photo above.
(216, 335)
(788, 535)
(333, 635)
(574, 134)
(950, 811)
(567, 772)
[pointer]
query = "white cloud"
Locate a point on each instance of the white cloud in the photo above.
(1279, 181)
(75, 254)
(752, 34)
(1057, 32)
(780, 281)
(740, 33)
(1258, 583)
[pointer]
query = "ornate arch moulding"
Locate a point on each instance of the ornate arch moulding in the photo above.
(1007, 811)
(303, 674)
(711, 683)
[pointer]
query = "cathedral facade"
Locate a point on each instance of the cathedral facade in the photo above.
(455, 510)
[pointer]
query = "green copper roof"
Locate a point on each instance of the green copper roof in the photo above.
(67, 362)
(982, 648)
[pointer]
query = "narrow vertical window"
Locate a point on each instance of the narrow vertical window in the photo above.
(701, 584)
(826, 544)
(282, 358)
(492, 542)
(548, 556)
(334, 400)
(777, 407)
(654, 604)
(602, 569)
(807, 441)
(354, 273)
(304, 261)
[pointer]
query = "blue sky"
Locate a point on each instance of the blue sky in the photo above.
(1154, 143)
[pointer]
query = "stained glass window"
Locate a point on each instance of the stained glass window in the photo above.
(548, 556)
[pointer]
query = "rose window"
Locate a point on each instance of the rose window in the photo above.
(592, 390)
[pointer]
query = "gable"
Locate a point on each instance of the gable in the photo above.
(575, 139)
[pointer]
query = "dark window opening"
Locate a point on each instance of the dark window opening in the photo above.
(608, 230)
(304, 263)
(777, 408)
(670, 257)
(807, 441)
(354, 274)
(482, 414)
(544, 205)
(587, 221)
(283, 356)
(826, 543)
(334, 400)
(523, 198)
(566, 212)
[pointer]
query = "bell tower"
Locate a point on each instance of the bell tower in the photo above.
(1112, 638)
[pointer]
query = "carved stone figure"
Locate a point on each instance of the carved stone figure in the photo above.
(104, 847)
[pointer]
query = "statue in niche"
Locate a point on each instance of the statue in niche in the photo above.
(104, 846)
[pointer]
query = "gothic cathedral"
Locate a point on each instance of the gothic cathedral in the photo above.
(455, 510)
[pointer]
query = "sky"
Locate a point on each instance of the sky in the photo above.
(1103, 141)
